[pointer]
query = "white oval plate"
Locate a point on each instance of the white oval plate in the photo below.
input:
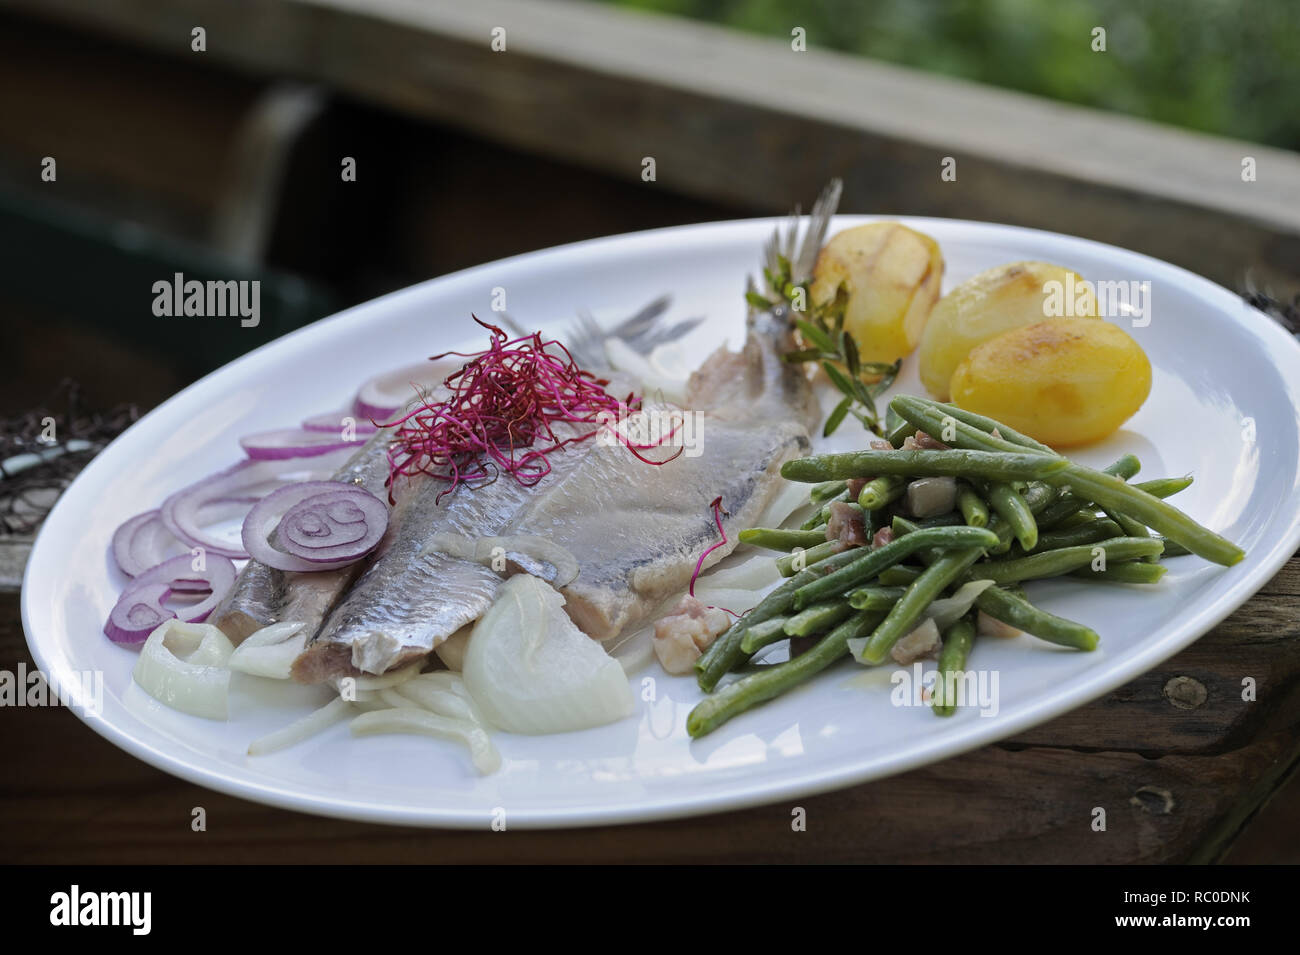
(1222, 372)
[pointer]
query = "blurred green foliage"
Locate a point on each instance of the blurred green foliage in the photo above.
(1230, 67)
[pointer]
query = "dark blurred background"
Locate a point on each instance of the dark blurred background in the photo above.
(225, 162)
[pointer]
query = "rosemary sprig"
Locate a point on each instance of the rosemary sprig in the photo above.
(823, 339)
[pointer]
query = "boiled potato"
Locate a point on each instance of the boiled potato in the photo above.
(1064, 381)
(988, 304)
(892, 275)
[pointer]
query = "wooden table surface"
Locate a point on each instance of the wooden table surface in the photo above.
(1178, 761)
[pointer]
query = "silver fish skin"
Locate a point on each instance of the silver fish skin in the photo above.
(263, 595)
(410, 598)
(638, 531)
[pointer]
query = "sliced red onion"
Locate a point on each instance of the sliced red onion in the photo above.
(382, 396)
(139, 611)
(144, 542)
(334, 422)
(231, 492)
(316, 525)
(295, 443)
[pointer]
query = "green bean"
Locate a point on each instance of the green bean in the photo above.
(1089, 533)
(883, 490)
(1173, 549)
(749, 691)
(1165, 487)
(1117, 497)
(1105, 490)
(763, 633)
(956, 463)
(874, 561)
(792, 563)
(973, 509)
(1008, 503)
(901, 525)
(897, 428)
(904, 615)
(1066, 559)
(1013, 609)
(1054, 563)
(826, 511)
(725, 653)
(1131, 528)
(957, 642)
(776, 538)
(875, 520)
(821, 515)
(829, 490)
(875, 598)
(1136, 572)
(900, 575)
(951, 519)
(1080, 518)
(815, 619)
(935, 426)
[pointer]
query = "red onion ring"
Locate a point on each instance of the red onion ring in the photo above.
(139, 611)
(382, 396)
(315, 525)
(144, 542)
(295, 443)
(186, 512)
(334, 422)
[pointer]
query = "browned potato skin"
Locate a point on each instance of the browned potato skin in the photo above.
(1063, 381)
(986, 305)
(892, 274)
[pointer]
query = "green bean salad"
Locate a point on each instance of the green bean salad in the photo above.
(957, 510)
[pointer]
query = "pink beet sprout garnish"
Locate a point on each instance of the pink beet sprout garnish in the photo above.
(500, 415)
(718, 511)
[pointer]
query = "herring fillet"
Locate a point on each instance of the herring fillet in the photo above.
(408, 601)
(263, 595)
(635, 529)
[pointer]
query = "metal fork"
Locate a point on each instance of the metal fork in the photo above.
(642, 332)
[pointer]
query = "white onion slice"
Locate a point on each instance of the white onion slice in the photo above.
(270, 651)
(948, 610)
(385, 680)
(754, 573)
(482, 753)
(531, 670)
(633, 651)
(785, 502)
(184, 666)
(299, 730)
(449, 699)
(452, 650)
